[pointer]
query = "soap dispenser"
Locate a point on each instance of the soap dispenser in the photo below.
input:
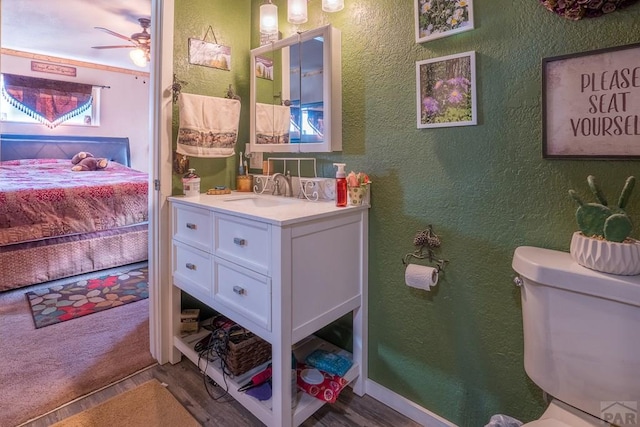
(341, 185)
(191, 184)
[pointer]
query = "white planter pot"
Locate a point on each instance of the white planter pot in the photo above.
(605, 256)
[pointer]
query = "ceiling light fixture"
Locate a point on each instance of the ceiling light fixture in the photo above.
(139, 57)
(269, 18)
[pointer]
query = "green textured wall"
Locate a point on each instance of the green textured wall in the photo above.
(457, 350)
(231, 24)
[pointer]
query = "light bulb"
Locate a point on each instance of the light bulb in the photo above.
(269, 18)
(297, 11)
(138, 57)
(332, 5)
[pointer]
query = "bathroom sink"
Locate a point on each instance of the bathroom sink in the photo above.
(263, 201)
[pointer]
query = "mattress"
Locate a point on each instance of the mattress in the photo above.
(44, 199)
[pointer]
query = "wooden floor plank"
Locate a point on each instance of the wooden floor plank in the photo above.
(185, 382)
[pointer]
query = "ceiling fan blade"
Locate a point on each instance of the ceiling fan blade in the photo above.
(113, 33)
(112, 47)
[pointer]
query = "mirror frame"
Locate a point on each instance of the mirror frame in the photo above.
(331, 97)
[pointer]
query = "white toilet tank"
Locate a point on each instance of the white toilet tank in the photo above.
(581, 333)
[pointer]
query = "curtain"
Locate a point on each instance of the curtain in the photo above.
(51, 102)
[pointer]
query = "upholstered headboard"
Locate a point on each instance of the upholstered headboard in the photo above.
(14, 147)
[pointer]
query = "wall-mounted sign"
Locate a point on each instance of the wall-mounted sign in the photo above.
(209, 54)
(43, 67)
(591, 104)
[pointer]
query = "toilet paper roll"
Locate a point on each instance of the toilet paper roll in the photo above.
(420, 276)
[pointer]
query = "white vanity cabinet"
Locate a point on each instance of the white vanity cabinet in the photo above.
(282, 272)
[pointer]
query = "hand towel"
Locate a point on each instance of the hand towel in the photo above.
(272, 124)
(208, 125)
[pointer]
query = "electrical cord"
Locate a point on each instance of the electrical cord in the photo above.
(215, 347)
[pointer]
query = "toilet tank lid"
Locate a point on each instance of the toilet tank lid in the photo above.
(558, 269)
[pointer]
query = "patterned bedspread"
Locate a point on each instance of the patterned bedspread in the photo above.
(42, 198)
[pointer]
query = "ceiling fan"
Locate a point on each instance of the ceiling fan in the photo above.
(140, 42)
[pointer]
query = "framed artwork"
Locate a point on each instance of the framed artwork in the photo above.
(209, 54)
(446, 91)
(442, 18)
(591, 104)
(264, 67)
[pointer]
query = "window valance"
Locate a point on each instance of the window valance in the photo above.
(51, 102)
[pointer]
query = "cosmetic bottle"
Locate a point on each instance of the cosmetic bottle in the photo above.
(191, 184)
(341, 185)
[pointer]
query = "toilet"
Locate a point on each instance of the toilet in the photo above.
(581, 339)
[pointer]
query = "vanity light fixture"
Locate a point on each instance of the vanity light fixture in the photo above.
(297, 11)
(269, 18)
(332, 5)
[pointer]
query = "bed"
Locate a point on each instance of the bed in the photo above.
(56, 223)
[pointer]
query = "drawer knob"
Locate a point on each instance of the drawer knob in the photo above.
(191, 226)
(239, 290)
(191, 266)
(238, 241)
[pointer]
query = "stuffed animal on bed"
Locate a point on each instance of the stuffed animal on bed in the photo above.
(84, 161)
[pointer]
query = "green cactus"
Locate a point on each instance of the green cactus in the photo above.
(598, 219)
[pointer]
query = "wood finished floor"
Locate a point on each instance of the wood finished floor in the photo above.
(185, 382)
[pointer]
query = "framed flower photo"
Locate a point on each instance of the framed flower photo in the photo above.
(442, 18)
(446, 91)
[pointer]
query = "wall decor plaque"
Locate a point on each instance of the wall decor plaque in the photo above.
(591, 104)
(44, 67)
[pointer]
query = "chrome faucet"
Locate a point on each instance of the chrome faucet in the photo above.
(288, 191)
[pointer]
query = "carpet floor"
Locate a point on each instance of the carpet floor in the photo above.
(160, 409)
(44, 368)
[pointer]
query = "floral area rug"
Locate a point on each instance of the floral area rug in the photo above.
(65, 302)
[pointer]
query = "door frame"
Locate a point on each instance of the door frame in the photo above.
(160, 185)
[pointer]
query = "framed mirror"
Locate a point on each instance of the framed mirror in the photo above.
(296, 94)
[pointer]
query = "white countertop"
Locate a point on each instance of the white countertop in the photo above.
(276, 210)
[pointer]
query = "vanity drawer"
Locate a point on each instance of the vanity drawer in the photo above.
(244, 242)
(242, 291)
(192, 270)
(193, 226)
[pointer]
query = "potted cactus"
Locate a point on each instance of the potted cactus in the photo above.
(603, 242)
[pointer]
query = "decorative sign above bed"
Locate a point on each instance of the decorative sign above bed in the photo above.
(591, 104)
(51, 102)
(44, 67)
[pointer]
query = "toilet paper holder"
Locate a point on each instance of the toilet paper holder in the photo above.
(425, 242)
